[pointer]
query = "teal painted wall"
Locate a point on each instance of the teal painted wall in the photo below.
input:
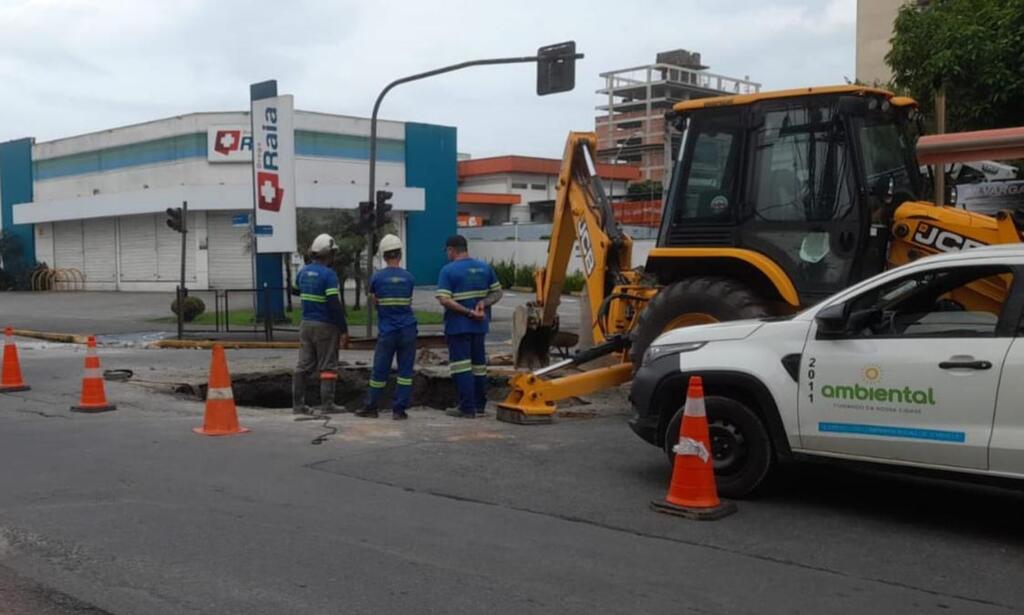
(16, 187)
(430, 163)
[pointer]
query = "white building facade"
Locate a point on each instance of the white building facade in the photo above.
(98, 200)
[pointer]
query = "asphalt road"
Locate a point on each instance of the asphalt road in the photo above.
(130, 512)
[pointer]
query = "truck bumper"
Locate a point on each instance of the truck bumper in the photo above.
(646, 421)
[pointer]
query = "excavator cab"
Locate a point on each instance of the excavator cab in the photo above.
(807, 180)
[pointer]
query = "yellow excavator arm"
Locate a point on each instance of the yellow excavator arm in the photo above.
(583, 217)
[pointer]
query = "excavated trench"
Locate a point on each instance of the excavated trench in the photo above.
(431, 387)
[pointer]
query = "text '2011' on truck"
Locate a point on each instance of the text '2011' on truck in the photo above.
(778, 200)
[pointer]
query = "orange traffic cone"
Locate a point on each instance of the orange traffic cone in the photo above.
(221, 416)
(10, 377)
(693, 493)
(94, 395)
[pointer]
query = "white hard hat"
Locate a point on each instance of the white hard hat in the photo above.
(390, 243)
(323, 243)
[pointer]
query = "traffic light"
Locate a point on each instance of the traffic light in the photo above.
(366, 216)
(556, 68)
(175, 220)
(383, 207)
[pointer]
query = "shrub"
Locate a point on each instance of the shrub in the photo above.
(574, 282)
(524, 276)
(194, 306)
(506, 272)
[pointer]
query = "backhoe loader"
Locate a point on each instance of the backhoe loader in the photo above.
(778, 200)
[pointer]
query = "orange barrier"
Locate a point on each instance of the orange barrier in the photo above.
(10, 377)
(693, 493)
(94, 395)
(221, 418)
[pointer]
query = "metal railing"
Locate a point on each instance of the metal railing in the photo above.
(641, 76)
(259, 300)
(58, 279)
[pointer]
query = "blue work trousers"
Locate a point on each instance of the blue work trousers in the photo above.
(467, 363)
(401, 342)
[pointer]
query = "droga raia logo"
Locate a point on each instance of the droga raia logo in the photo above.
(268, 179)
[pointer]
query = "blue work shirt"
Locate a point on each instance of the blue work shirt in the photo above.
(318, 288)
(467, 281)
(392, 286)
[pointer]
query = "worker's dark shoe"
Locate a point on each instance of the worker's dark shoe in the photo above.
(481, 412)
(460, 414)
(303, 409)
(399, 415)
(332, 409)
(368, 413)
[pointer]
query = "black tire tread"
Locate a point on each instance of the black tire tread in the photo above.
(741, 300)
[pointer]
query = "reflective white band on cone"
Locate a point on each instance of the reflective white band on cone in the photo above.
(221, 393)
(93, 372)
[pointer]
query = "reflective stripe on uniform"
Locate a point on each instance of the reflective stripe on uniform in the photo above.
(479, 370)
(394, 301)
(377, 384)
(443, 293)
(405, 382)
(219, 393)
(460, 367)
(470, 294)
(496, 286)
(331, 291)
(313, 298)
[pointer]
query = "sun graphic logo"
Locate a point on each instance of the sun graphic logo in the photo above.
(872, 374)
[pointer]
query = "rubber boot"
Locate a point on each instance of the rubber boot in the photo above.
(327, 405)
(299, 393)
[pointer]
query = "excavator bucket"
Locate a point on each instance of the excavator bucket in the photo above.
(531, 343)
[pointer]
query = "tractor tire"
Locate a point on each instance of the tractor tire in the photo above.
(693, 301)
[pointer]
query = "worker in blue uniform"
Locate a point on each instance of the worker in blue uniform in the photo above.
(323, 326)
(467, 288)
(391, 291)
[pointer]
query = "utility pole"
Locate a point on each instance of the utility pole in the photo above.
(940, 128)
(556, 72)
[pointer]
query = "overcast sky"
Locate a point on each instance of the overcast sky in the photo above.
(74, 66)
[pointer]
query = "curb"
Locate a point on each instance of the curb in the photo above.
(424, 341)
(63, 338)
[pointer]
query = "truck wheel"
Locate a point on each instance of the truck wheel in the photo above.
(694, 301)
(740, 447)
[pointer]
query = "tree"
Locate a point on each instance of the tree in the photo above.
(343, 226)
(975, 48)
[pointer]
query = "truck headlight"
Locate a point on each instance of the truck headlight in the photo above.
(656, 352)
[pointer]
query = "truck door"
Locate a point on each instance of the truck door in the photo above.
(914, 374)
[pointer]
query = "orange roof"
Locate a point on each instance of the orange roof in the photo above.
(537, 166)
(487, 198)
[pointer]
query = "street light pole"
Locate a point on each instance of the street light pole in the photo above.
(372, 188)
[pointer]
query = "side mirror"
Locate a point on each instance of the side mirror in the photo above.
(831, 320)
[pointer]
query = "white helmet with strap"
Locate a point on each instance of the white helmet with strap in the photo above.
(322, 244)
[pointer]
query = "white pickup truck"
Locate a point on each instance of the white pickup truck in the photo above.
(920, 366)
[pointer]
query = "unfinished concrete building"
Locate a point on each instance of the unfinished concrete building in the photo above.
(631, 125)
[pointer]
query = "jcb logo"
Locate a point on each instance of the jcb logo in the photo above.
(586, 249)
(943, 241)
